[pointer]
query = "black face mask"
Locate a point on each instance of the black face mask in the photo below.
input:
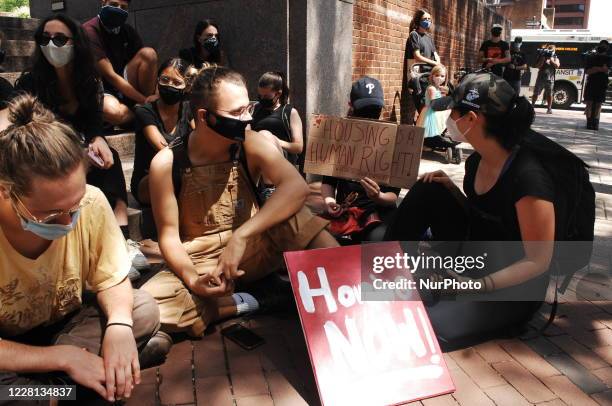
(170, 95)
(211, 45)
(266, 103)
(496, 33)
(2, 55)
(230, 128)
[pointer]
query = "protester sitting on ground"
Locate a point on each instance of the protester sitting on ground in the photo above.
(597, 68)
(358, 210)
(211, 233)
(517, 65)
(206, 46)
(128, 70)
(508, 197)
(495, 53)
(160, 122)
(63, 77)
(58, 237)
(433, 121)
(547, 64)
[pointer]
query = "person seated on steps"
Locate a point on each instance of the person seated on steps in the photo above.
(63, 77)
(69, 315)
(128, 69)
(214, 235)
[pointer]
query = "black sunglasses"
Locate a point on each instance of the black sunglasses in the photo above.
(59, 40)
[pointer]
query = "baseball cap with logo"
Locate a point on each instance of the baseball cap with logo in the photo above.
(480, 92)
(367, 92)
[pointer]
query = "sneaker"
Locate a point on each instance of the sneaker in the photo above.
(139, 261)
(549, 111)
(133, 274)
(155, 350)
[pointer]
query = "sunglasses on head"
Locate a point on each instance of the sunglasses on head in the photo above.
(59, 40)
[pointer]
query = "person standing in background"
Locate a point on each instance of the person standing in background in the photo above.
(597, 68)
(514, 70)
(494, 52)
(547, 64)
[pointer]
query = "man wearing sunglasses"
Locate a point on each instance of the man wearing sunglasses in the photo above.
(213, 232)
(128, 69)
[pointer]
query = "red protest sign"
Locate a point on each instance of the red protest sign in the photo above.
(363, 352)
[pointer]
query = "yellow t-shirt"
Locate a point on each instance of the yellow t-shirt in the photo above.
(41, 291)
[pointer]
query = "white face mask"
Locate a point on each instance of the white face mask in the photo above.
(453, 131)
(439, 80)
(58, 56)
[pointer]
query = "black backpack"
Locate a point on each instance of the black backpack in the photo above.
(574, 208)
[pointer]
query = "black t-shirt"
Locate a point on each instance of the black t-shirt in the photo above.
(421, 42)
(193, 56)
(278, 122)
(514, 75)
(344, 187)
(87, 120)
(495, 50)
(118, 48)
(547, 71)
(598, 60)
(147, 115)
(494, 212)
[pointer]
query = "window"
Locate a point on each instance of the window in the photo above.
(560, 21)
(569, 8)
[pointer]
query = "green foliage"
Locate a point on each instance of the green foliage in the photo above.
(11, 5)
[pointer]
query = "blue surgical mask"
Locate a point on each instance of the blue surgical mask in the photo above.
(426, 24)
(50, 231)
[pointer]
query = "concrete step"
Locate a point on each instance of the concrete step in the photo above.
(17, 33)
(27, 24)
(124, 143)
(18, 47)
(16, 63)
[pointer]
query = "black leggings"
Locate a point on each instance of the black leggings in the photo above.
(110, 181)
(457, 324)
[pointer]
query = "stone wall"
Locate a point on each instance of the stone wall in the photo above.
(309, 39)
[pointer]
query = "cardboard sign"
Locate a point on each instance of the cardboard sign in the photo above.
(352, 149)
(363, 352)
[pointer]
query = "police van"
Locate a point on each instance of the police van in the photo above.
(571, 49)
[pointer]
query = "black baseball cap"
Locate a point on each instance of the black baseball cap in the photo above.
(367, 92)
(484, 92)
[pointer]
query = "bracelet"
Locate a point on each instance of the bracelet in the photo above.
(119, 324)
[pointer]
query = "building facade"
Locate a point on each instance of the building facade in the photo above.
(571, 14)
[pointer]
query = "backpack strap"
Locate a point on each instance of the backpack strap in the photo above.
(287, 119)
(180, 163)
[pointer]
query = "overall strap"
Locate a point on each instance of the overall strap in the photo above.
(237, 153)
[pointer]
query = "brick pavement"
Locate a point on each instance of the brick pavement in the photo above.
(570, 365)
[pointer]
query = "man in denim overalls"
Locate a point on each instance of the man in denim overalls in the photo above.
(212, 231)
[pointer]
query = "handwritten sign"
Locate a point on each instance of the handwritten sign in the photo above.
(352, 149)
(363, 352)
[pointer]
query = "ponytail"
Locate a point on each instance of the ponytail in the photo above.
(510, 128)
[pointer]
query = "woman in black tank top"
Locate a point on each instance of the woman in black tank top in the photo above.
(276, 119)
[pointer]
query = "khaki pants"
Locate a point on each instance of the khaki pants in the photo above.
(180, 310)
(84, 329)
